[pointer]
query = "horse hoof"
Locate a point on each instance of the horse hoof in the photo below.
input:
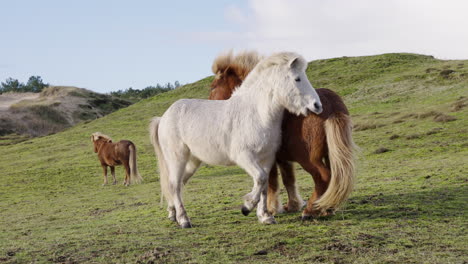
(245, 211)
(270, 221)
(307, 218)
(186, 225)
(329, 212)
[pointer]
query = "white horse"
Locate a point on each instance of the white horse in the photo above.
(244, 130)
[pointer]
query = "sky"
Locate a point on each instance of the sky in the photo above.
(109, 45)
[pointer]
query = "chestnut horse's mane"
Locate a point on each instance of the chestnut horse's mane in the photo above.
(96, 136)
(242, 64)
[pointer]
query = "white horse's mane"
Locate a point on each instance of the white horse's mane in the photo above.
(277, 61)
(280, 59)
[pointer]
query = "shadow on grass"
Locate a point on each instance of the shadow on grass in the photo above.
(427, 204)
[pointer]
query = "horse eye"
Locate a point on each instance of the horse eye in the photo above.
(298, 79)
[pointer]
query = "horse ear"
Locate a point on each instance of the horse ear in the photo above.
(294, 63)
(228, 71)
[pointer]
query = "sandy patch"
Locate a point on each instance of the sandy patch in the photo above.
(8, 99)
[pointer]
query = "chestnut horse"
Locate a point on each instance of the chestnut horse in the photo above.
(112, 154)
(321, 144)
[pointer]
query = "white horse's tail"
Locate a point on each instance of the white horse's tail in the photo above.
(163, 172)
(134, 174)
(341, 155)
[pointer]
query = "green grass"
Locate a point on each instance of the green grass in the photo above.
(409, 204)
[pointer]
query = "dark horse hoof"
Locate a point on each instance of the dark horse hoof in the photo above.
(186, 225)
(245, 211)
(307, 218)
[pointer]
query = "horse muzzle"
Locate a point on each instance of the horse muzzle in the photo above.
(315, 109)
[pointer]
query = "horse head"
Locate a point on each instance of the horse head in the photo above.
(300, 97)
(284, 75)
(224, 84)
(98, 138)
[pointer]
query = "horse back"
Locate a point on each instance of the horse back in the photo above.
(113, 154)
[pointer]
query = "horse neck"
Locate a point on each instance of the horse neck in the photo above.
(270, 111)
(100, 144)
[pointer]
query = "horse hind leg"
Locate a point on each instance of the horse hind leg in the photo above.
(177, 162)
(190, 168)
(104, 172)
(127, 174)
(176, 180)
(295, 202)
(273, 200)
(321, 175)
(113, 175)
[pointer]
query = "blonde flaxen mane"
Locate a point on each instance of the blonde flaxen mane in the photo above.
(243, 63)
(97, 135)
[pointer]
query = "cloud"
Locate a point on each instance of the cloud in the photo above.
(334, 28)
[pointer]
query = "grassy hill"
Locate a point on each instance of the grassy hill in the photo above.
(409, 204)
(51, 111)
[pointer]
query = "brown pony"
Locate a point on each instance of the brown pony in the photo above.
(321, 144)
(112, 154)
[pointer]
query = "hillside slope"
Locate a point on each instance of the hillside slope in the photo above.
(52, 110)
(409, 204)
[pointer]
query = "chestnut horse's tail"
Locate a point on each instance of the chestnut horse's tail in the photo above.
(134, 174)
(163, 172)
(341, 148)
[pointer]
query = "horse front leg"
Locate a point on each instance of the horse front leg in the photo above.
(113, 175)
(295, 202)
(258, 195)
(104, 172)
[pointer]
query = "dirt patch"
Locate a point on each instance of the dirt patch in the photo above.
(392, 137)
(459, 104)
(376, 199)
(98, 211)
(443, 118)
(363, 126)
(261, 252)
(63, 259)
(434, 131)
(340, 246)
(409, 116)
(155, 255)
(413, 136)
(428, 114)
(381, 150)
(398, 121)
(446, 73)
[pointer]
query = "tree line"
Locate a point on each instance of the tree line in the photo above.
(34, 84)
(137, 94)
